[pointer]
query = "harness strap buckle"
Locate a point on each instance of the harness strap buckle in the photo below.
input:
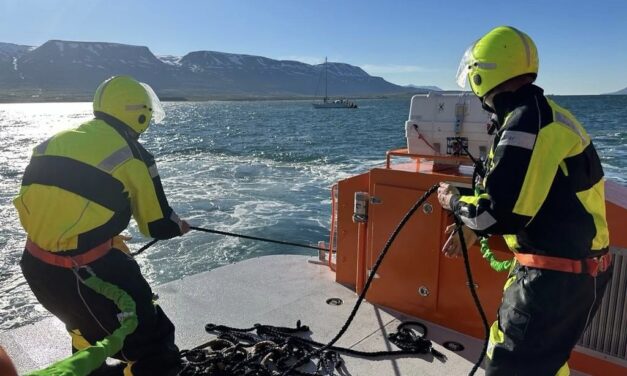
(78, 268)
(597, 265)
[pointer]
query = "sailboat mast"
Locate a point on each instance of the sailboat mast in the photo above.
(325, 80)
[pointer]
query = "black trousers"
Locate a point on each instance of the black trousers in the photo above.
(151, 347)
(542, 316)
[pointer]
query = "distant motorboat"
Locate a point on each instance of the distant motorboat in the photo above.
(337, 103)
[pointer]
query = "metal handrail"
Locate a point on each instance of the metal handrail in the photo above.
(332, 235)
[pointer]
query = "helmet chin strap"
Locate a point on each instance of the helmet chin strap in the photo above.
(485, 105)
(501, 103)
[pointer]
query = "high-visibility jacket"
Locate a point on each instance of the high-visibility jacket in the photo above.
(544, 188)
(82, 186)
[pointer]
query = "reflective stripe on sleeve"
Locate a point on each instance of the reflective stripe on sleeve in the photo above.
(153, 171)
(114, 160)
(519, 139)
(563, 119)
(480, 222)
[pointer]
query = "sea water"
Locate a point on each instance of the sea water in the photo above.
(261, 168)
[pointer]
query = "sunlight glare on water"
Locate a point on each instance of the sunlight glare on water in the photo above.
(22, 126)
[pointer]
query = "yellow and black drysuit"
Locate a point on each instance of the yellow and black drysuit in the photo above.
(544, 192)
(78, 192)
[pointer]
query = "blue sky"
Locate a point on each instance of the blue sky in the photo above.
(582, 44)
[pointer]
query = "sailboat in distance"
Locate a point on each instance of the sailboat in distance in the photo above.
(337, 103)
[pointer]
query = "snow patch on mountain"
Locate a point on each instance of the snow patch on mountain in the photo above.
(237, 60)
(93, 50)
(8, 51)
(171, 60)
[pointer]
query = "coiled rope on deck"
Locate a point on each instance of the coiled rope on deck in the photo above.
(271, 350)
(215, 362)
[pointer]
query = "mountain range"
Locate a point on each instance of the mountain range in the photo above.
(620, 92)
(65, 70)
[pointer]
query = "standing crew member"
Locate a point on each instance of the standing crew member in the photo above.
(78, 193)
(544, 192)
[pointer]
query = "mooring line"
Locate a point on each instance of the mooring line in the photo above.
(148, 245)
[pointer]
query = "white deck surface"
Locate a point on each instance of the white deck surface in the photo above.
(276, 290)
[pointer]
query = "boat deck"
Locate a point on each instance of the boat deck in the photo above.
(276, 290)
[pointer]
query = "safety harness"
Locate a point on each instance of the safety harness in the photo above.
(591, 266)
(67, 261)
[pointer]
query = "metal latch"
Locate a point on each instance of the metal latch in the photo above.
(360, 208)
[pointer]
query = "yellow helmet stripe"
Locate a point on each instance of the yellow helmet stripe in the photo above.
(101, 92)
(523, 38)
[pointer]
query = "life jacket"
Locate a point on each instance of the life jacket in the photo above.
(82, 186)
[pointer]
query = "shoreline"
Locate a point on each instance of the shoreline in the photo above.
(8, 98)
(73, 98)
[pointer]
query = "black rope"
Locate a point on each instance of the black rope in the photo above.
(406, 338)
(377, 263)
(271, 350)
(148, 245)
(242, 352)
(475, 297)
(142, 249)
(479, 170)
(257, 238)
